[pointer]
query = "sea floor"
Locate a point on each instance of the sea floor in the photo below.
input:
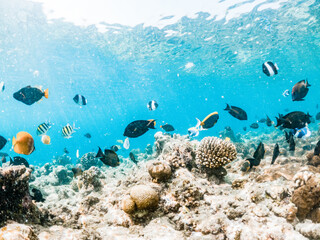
(169, 195)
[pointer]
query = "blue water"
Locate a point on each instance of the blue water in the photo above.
(120, 71)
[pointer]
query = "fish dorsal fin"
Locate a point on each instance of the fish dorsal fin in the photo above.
(198, 123)
(39, 87)
(100, 153)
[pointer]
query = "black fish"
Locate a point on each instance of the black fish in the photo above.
(276, 153)
(77, 171)
(210, 120)
(300, 90)
(132, 158)
(269, 122)
(19, 161)
(318, 116)
(317, 149)
(255, 161)
(254, 125)
(270, 69)
(167, 127)
(79, 99)
(87, 135)
(137, 128)
(114, 148)
(109, 157)
(293, 120)
(29, 95)
(244, 128)
(292, 144)
(37, 195)
(236, 112)
(287, 136)
(262, 120)
(65, 150)
(3, 142)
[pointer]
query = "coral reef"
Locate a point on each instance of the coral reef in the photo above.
(62, 160)
(159, 170)
(89, 160)
(63, 175)
(213, 152)
(15, 200)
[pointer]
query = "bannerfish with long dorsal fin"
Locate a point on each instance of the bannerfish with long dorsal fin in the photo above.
(276, 153)
(29, 95)
(80, 100)
(270, 68)
(236, 112)
(152, 105)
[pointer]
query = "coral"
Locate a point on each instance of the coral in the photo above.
(307, 196)
(15, 231)
(64, 176)
(159, 170)
(144, 197)
(15, 200)
(90, 179)
(62, 160)
(214, 152)
(160, 141)
(128, 205)
(88, 160)
(181, 156)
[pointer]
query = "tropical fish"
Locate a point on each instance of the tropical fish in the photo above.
(236, 112)
(152, 105)
(77, 171)
(80, 100)
(317, 149)
(115, 148)
(2, 87)
(29, 95)
(244, 128)
(300, 90)
(45, 139)
(87, 135)
(137, 128)
(276, 153)
(302, 133)
(287, 136)
(19, 161)
(67, 131)
(255, 161)
(194, 131)
(3, 142)
(254, 125)
(43, 128)
(209, 121)
(286, 93)
(262, 120)
(65, 150)
(109, 157)
(318, 116)
(37, 195)
(167, 127)
(269, 122)
(292, 144)
(126, 143)
(132, 158)
(270, 69)
(293, 120)
(23, 144)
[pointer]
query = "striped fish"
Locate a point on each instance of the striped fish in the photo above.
(79, 99)
(67, 131)
(43, 128)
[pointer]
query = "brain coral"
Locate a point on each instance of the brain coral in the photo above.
(214, 152)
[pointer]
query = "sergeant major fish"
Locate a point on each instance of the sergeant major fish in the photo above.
(43, 128)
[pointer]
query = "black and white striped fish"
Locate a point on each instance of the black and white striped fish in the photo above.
(152, 105)
(270, 69)
(43, 128)
(79, 99)
(67, 131)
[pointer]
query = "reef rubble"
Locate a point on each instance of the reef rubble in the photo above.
(182, 189)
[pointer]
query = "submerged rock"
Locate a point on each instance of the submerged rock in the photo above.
(15, 231)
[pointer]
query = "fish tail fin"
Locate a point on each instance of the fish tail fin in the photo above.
(46, 93)
(307, 83)
(14, 141)
(227, 107)
(100, 153)
(198, 123)
(152, 124)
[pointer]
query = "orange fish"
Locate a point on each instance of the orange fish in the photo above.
(45, 139)
(23, 144)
